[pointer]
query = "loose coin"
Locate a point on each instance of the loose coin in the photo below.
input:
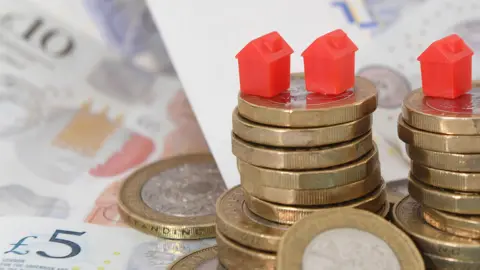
(347, 239)
(460, 144)
(238, 223)
(173, 198)
(397, 190)
(407, 214)
(297, 107)
(315, 196)
(446, 200)
(469, 182)
(236, 257)
(299, 137)
(460, 116)
(204, 259)
(301, 158)
(445, 161)
(442, 263)
(311, 179)
(461, 225)
(373, 202)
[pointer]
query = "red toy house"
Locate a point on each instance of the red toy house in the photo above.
(329, 64)
(264, 66)
(446, 67)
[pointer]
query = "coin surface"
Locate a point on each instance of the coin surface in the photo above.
(299, 137)
(236, 257)
(468, 182)
(459, 116)
(460, 144)
(204, 259)
(301, 158)
(347, 239)
(443, 263)
(397, 190)
(383, 212)
(446, 200)
(315, 196)
(461, 225)
(407, 214)
(284, 214)
(238, 223)
(311, 179)
(444, 161)
(297, 107)
(173, 198)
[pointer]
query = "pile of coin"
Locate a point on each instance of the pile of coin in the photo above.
(298, 153)
(442, 214)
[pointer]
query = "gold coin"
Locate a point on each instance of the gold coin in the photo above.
(311, 179)
(301, 158)
(299, 108)
(384, 210)
(445, 161)
(469, 182)
(346, 239)
(438, 142)
(407, 214)
(284, 214)
(315, 196)
(237, 257)
(201, 259)
(443, 263)
(446, 200)
(397, 190)
(461, 225)
(299, 137)
(238, 223)
(173, 198)
(458, 116)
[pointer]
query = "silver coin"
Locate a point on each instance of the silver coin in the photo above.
(186, 190)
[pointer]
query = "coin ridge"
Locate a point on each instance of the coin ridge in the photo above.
(315, 196)
(233, 223)
(408, 217)
(285, 214)
(444, 161)
(441, 199)
(313, 117)
(311, 179)
(292, 246)
(299, 137)
(460, 181)
(302, 158)
(141, 217)
(194, 259)
(451, 223)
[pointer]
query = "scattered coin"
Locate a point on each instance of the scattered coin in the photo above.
(468, 182)
(407, 214)
(347, 239)
(299, 137)
(301, 158)
(311, 179)
(443, 263)
(445, 161)
(461, 225)
(204, 259)
(173, 198)
(299, 108)
(238, 223)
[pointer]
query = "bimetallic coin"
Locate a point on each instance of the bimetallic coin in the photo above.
(299, 137)
(347, 239)
(407, 214)
(204, 259)
(235, 221)
(373, 202)
(237, 257)
(311, 179)
(468, 182)
(460, 116)
(445, 161)
(397, 190)
(302, 158)
(315, 196)
(173, 198)
(443, 263)
(445, 200)
(461, 225)
(299, 108)
(460, 144)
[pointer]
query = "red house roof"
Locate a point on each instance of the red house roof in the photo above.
(333, 45)
(269, 47)
(446, 50)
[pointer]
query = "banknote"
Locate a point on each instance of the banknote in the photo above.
(47, 243)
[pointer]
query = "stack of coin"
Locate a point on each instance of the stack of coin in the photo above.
(443, 142)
